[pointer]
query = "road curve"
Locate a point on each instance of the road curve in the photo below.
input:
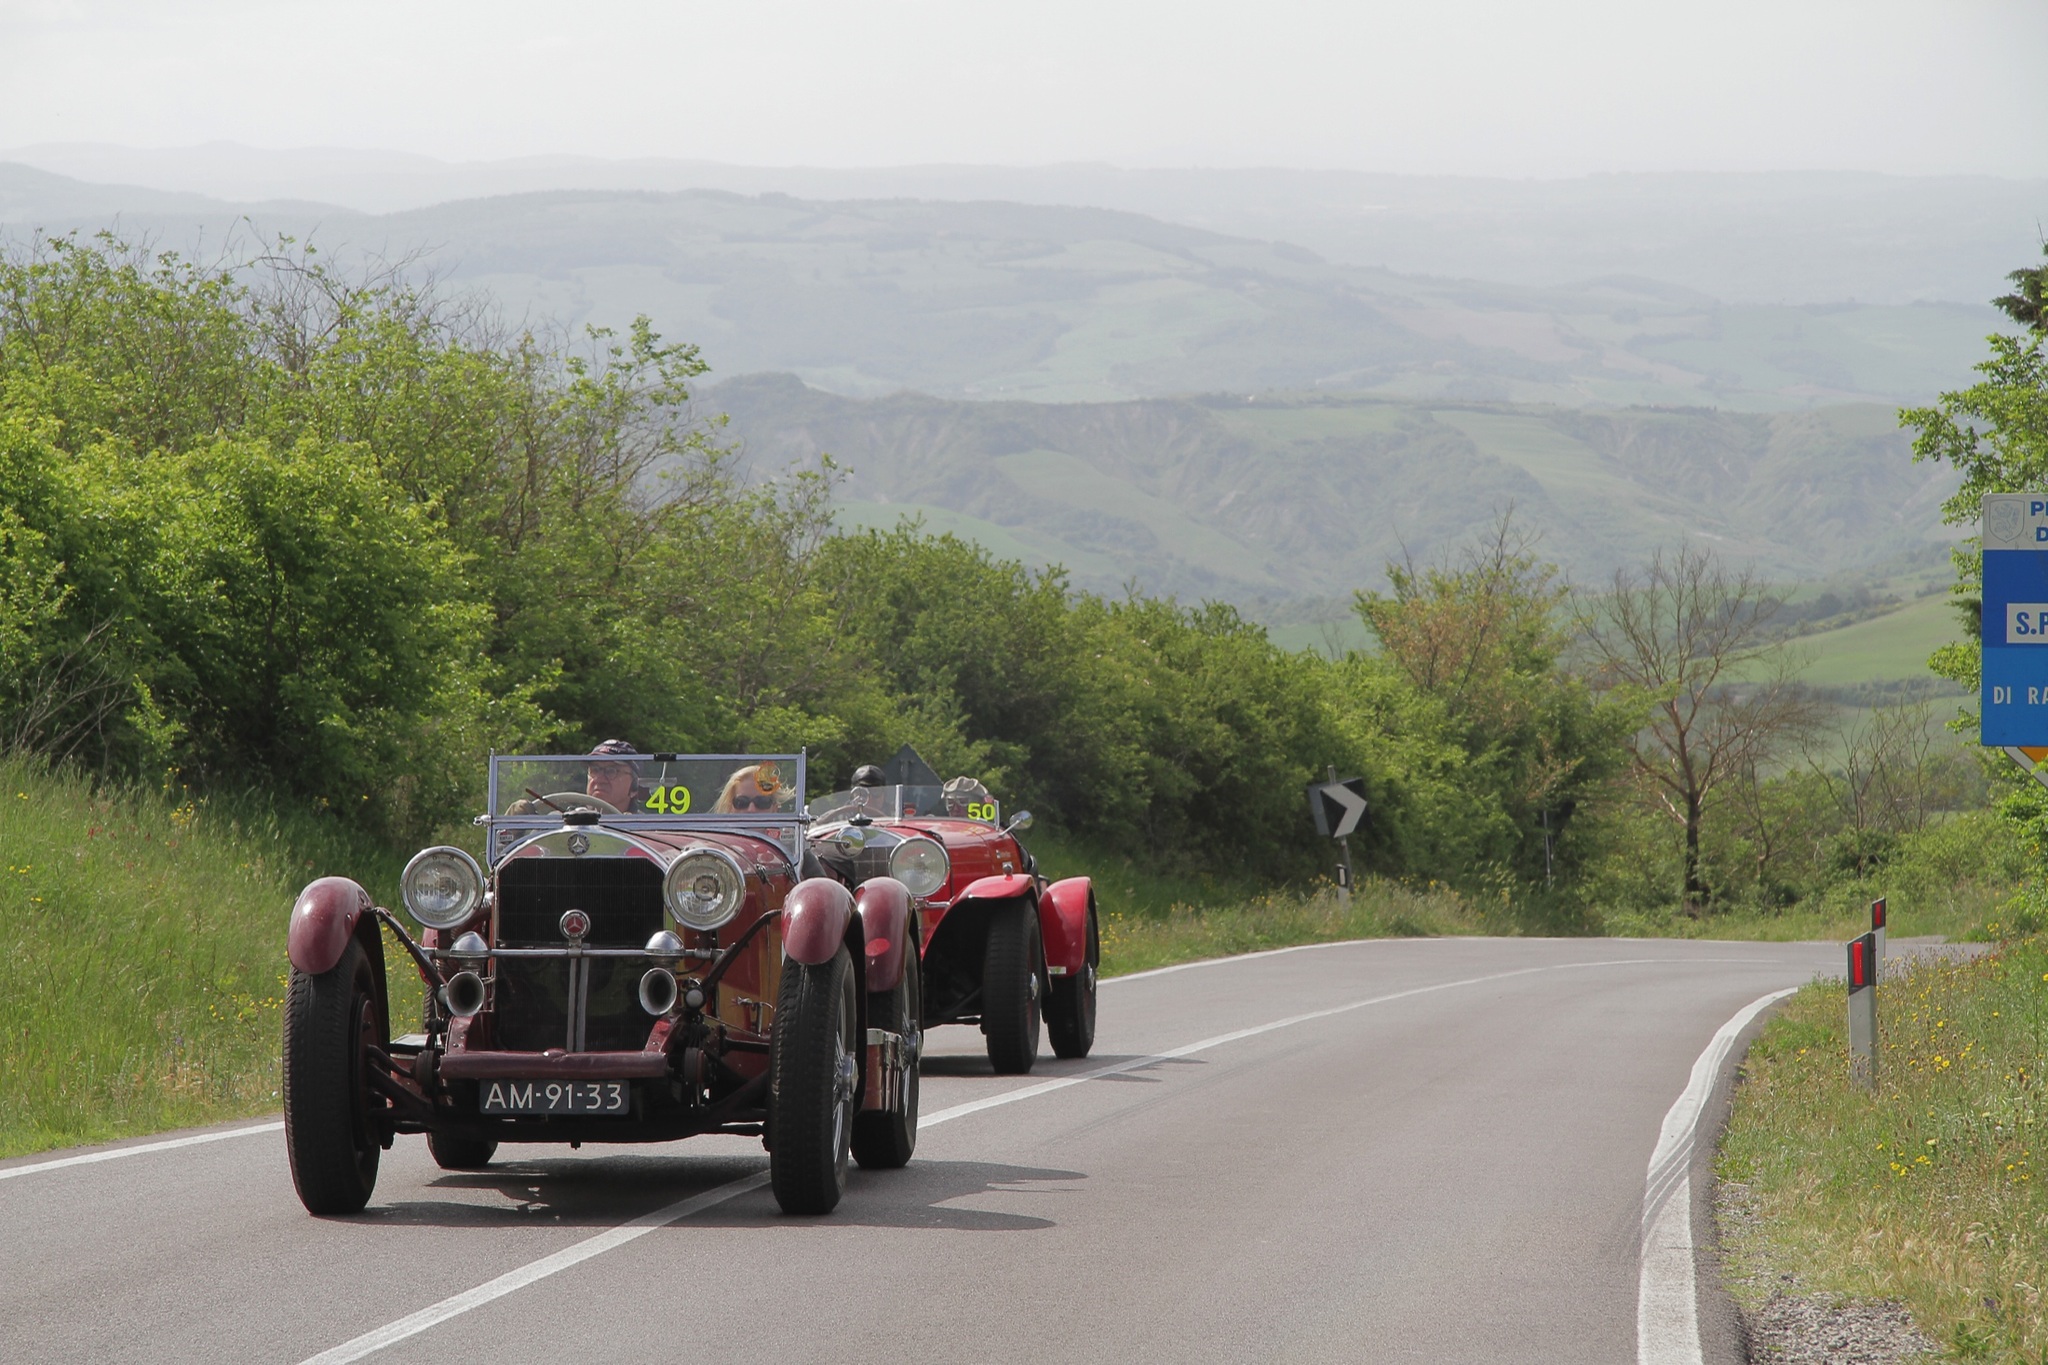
(1428, 1150)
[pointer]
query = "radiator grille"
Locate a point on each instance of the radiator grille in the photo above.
(622, 896)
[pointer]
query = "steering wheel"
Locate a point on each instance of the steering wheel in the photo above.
(582, 801)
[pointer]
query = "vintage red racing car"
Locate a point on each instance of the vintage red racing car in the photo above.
(1002, 948)
(637, 958)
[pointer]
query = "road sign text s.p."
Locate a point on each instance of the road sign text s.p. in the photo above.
(2013, 706)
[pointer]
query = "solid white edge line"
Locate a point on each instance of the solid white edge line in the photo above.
(411, 1325)
(142, 1149)
(414, 1323)
(1667, 1285)
(1263, 952)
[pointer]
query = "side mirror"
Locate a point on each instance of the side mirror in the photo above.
(1021, 820)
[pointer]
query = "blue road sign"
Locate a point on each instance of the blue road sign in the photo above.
(2014, 700)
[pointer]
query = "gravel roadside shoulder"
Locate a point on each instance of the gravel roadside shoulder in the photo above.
(1786, 1325)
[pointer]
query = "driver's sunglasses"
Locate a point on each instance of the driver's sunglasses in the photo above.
(753, 803)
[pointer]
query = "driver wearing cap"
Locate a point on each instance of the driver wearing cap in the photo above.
(614, 783)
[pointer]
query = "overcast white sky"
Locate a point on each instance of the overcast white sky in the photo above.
(1499, 87)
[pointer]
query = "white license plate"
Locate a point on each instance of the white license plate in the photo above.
(556, 1097)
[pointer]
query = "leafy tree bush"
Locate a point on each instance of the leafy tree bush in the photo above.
(1492, 714)
(336, 538)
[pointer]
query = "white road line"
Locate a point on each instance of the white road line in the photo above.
(1667, 1288)
(434, 1314)
(1190, 1049)
(413, 1324)
(1263, 952)
(143, 1149)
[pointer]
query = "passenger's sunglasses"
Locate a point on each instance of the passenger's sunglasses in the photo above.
(753, 803)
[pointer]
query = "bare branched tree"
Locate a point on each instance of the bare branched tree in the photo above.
(1889, 774)
(1693, 639)
(63, 699)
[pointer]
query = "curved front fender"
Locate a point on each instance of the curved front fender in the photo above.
(887, 927)
(324, 918)
(1063, 923)
(1000, 888)
(815, 917)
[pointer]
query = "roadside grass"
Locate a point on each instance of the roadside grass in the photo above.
(1967, 911)
(1154, 917)
(1924, 1191)
(142, 961)
(1188, 933)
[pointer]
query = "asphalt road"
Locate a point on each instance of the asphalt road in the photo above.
(1428, 1150)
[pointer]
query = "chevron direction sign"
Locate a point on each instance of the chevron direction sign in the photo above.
(1337, 806)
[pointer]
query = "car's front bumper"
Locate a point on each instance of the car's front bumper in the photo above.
(556, 1066)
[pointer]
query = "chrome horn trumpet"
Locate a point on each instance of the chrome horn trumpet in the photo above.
(658, 991)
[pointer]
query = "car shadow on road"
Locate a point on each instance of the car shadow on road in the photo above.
(609, 1190)
(921, 1195)
(1046, 1068)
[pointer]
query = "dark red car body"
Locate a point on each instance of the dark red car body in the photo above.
(989, 875)
(510, 997)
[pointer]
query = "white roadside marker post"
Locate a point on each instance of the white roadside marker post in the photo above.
(1877, 928)
(1863, 1010)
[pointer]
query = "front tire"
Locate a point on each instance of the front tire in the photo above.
(460, 1154)
(1009, 988)
(1070, 1018)
(332, 1118)
(883, 1141)
(814, 1078)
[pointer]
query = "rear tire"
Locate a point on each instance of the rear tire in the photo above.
(1009, 988)
(883, 1141)
(814, 1078)
(1070, 1016)
(460, 1154)
(332, 1118)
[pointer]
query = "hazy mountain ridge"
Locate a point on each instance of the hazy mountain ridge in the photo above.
(1448, 397)
(987, 299)
(1741, 238)
(1298, 498)
(994, 299)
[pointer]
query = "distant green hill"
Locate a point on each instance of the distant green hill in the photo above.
(1295, 498)
(1890, 648)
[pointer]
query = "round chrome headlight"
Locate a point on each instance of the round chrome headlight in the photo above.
(920, 864)
(703, 889)
(442, 887)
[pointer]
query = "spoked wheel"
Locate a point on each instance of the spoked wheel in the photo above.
(1070, 1015)
(1009, 988)
(883, 1141)
(814, 1076)
(460, 1154)
(332, 1117)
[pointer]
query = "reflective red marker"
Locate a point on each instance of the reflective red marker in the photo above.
(1860, 953)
